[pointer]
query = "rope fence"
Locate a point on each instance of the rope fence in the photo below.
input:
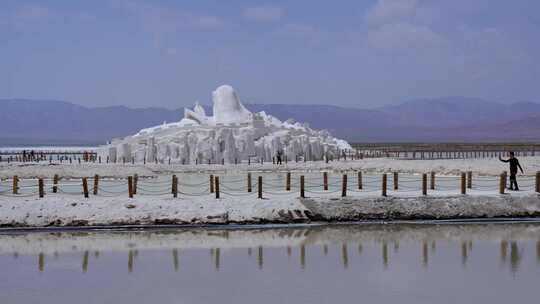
(352, 183)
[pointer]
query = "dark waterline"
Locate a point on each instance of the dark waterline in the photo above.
(405, 263)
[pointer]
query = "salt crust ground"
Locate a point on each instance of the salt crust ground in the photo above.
(429, 207)
(185, 239)
(63, 210)
(482, 166)
(59, 210)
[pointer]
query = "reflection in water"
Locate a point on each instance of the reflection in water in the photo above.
(515, 256)
(130, 261)
(416, 248)
(215, 253)
(385, 254)
(464, 254)
(538, 251)
(260, 257)
(176, 264)
(217, 258)
(41, 262)
(504, 251)
(298, 238)
(302, 256)
(344, 256)
(85, 262)
(425, 257)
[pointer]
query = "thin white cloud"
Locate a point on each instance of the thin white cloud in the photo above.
(26, 17)
(404, 36)
(390, 11)
(295, 29)
(164, 24)
(206, 22)
(166, 19)
(263, 13)
(392, 27)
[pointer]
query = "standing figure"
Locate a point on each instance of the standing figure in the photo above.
(514, 165)
(279, 156)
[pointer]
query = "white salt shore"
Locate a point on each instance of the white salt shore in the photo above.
(482, 166)
(278, 206)
(69, 210)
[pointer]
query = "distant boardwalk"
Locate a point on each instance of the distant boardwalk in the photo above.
(445, 150)
(358, 151)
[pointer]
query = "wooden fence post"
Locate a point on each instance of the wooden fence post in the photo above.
(85, 187)
(174, 186)
(96, 184)
(344, 186)
(325, 181)
(259, 188)
(40, 186)
(302, 190)
(502, 183)
(538, 182)
(396, 182)
(211, 183)
(15, 184)
(424, 184)
(135, 182)
(432, 185)
(360, 185)
(55, 183)
(469, 179)
(384, 184)
(249, 182)
(288, 182)
(216, 188)
(463, 183)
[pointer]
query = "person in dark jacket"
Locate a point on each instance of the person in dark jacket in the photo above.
(279, 157)
(514, 165)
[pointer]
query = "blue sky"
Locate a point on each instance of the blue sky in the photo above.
(351, 53)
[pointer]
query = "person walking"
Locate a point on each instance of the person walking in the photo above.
(514, 165)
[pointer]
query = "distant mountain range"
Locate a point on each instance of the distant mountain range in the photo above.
(37, 122)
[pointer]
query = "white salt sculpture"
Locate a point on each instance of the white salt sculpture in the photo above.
(232, 134)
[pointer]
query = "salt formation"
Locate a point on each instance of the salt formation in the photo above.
(232, 134)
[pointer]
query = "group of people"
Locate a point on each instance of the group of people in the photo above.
(29, 155)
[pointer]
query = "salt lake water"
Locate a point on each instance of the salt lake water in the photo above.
(369, 263)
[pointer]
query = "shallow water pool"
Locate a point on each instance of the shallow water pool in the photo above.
(371, 263)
